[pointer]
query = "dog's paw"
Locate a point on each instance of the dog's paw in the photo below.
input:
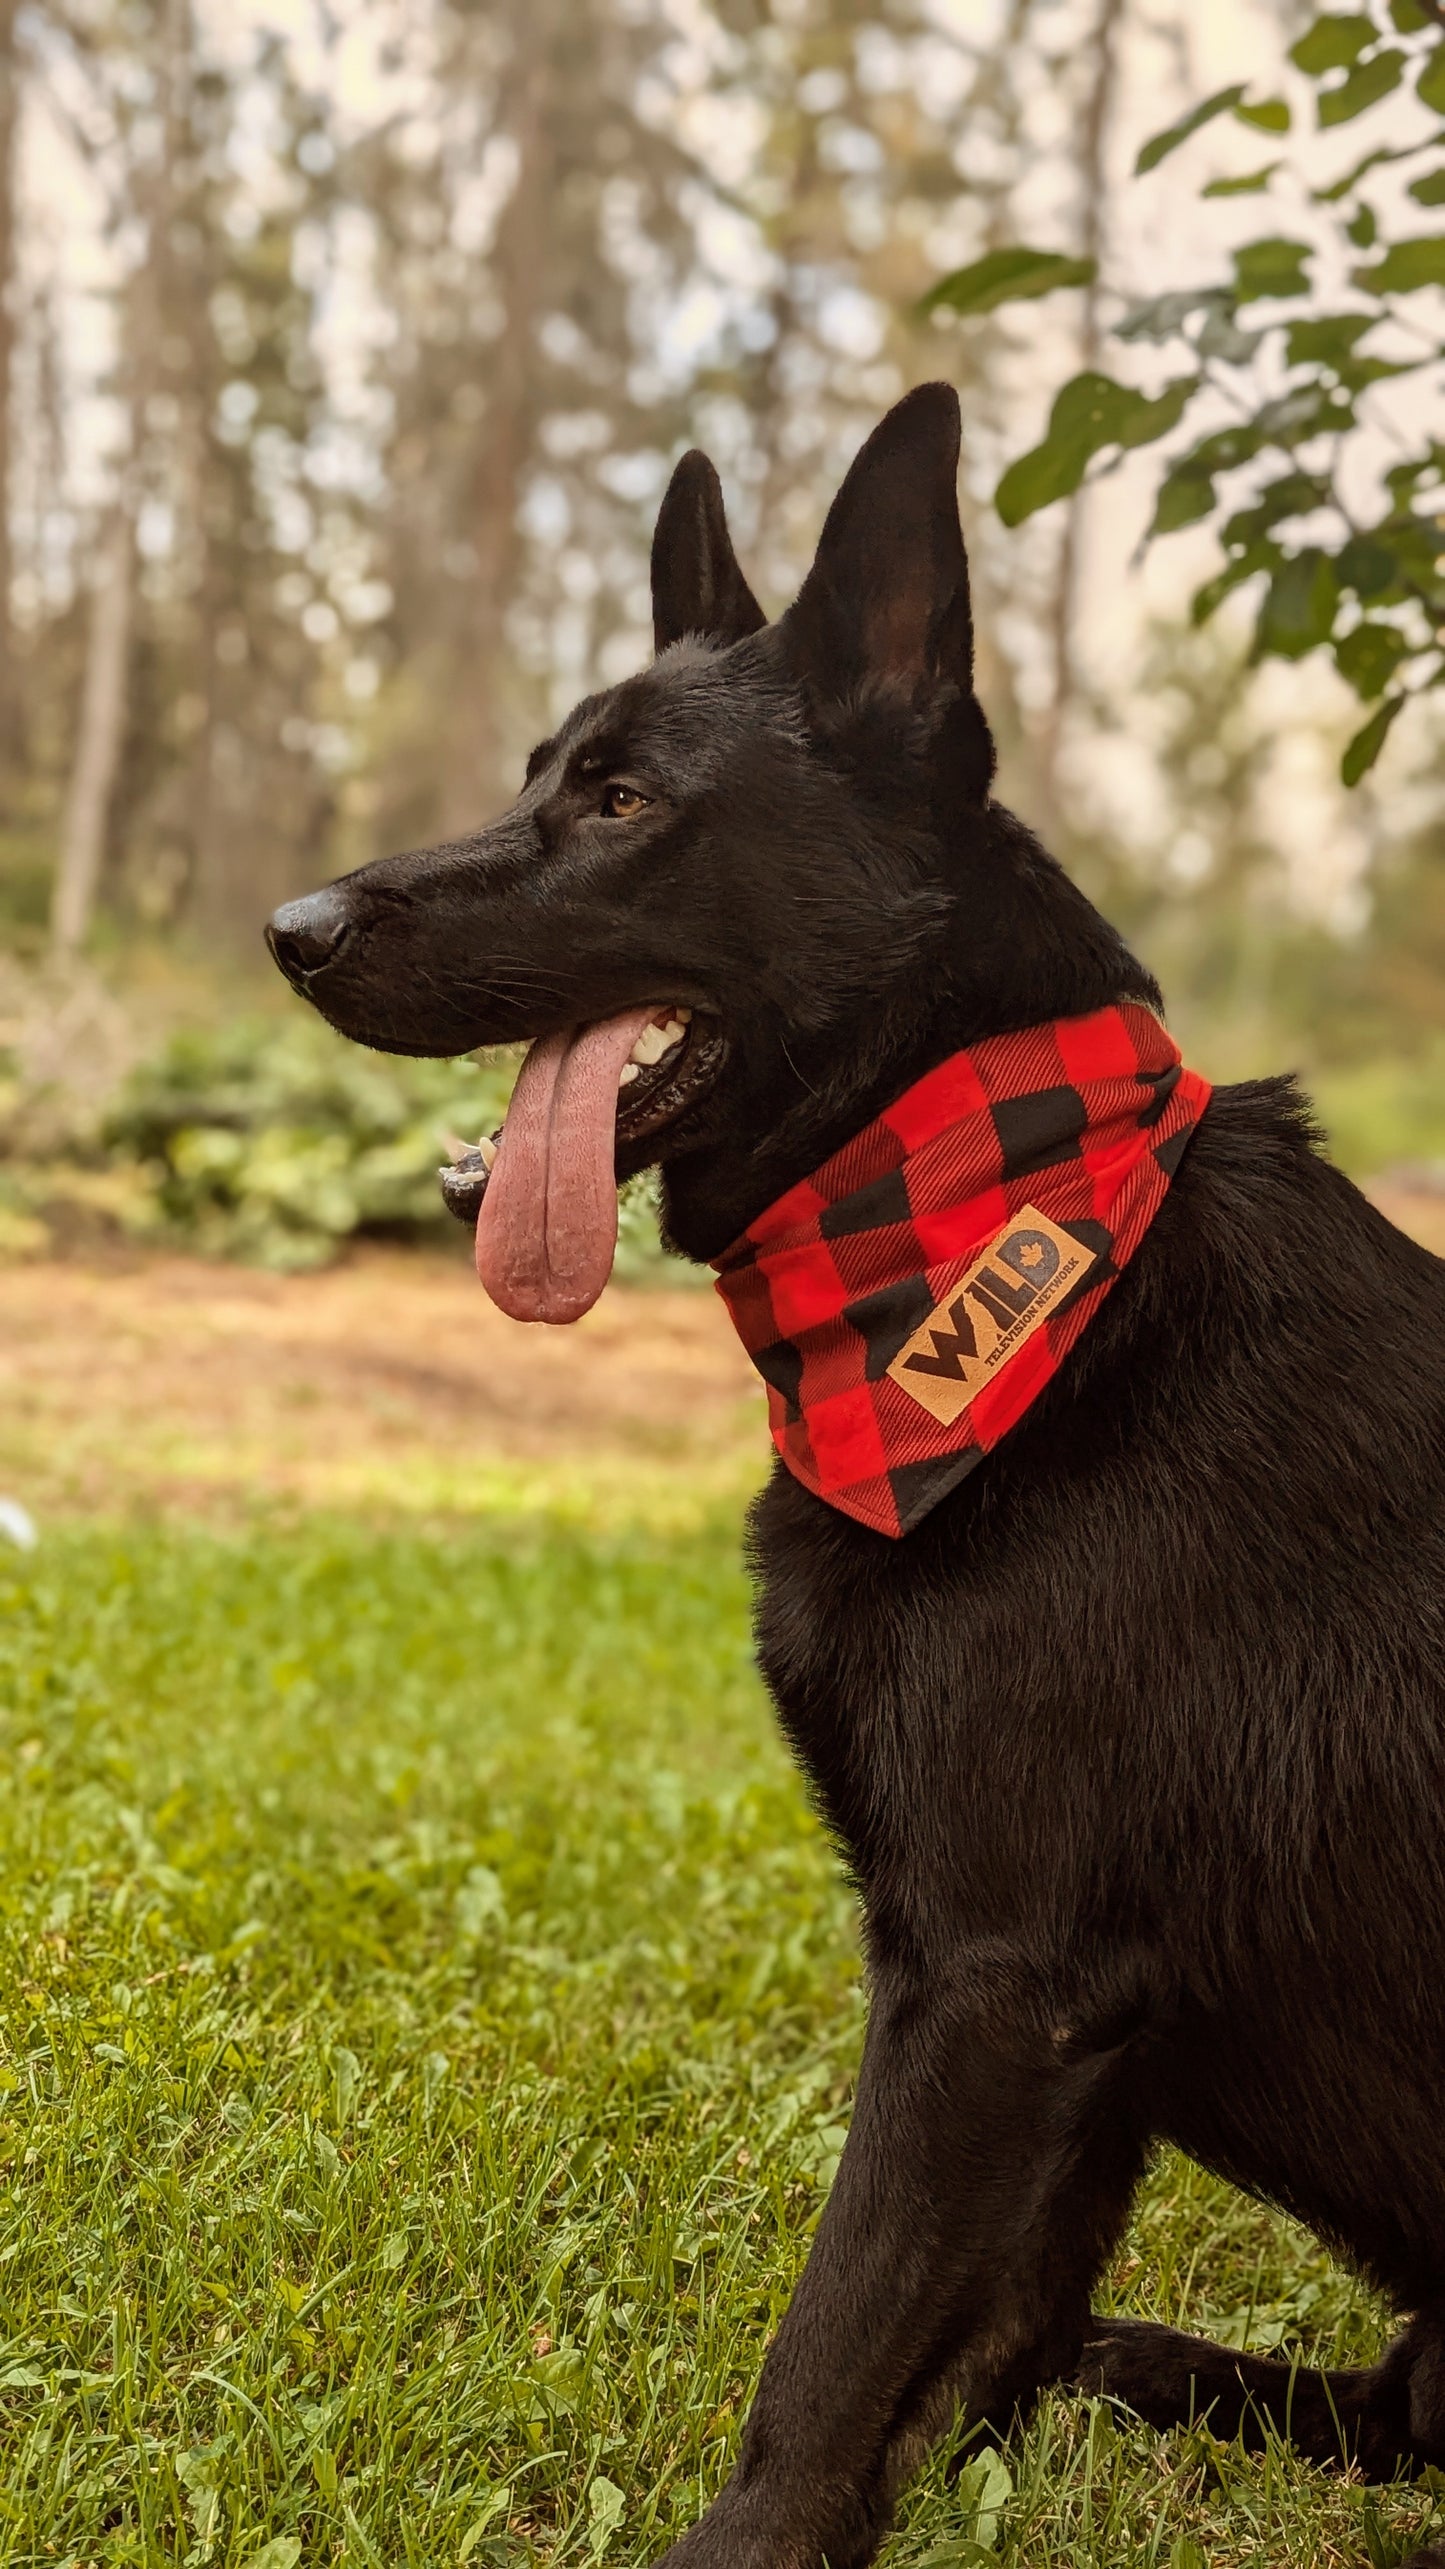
(1144, 2367)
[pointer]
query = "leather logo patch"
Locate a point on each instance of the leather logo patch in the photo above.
(1007, 1294)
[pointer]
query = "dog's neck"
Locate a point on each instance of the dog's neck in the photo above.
(1045, 952)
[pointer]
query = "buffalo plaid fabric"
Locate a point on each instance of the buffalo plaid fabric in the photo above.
(1086, 1120)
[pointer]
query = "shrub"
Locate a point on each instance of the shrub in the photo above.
(278, 1143)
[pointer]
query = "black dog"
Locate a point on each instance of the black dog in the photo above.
(1136, 1744)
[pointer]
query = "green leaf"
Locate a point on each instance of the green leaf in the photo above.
(1253, 184)
(1430, 87)
(1309, 410)
(1365, 87)
(1006, 276)
(605, 2502)
(1405, 267)
(1329, 341)
(1377, 370)
(1419, 549)
(1291, 495)
(983, 2489)
(1185, 495)
(1270, 116)
(1159, 146)
(1403, 479)
(1147, 420)
(1226, 447)
(1365, 566)
(1370, 656)
(1299, 606)
(1046, 473)
(1429, 190)
(1367, 744)
(283, 2553)
(1090, 413)
(1272, 267)
(1361, 169)
(606, 2506)
(1333, 43)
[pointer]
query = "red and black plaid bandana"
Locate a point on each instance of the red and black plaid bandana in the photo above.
(906, 1303)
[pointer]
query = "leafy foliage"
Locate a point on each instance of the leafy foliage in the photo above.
(276, 1144)
(1366, 585)
(1006, 276)
(1090, 413)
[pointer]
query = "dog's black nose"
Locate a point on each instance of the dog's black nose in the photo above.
(303, 935)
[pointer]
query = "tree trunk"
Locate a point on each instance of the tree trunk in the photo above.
(474, 778)
(1094, 183)
(99, 738)
(10, 725)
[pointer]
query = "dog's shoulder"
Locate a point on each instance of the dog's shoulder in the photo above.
(1275, 1323)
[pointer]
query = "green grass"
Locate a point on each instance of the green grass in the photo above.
(428, 2013)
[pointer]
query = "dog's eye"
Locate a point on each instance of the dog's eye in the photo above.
(622, 803)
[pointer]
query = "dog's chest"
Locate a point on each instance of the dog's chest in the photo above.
(963, 1733)
(874, 1669)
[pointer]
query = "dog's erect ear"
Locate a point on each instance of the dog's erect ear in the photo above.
(888, 593)
(696, 584)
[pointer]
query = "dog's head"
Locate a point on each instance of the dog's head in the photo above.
(741, 898)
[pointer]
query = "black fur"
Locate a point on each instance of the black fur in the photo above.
(1137, 1745)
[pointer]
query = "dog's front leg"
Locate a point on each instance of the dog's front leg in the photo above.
(987, 2173)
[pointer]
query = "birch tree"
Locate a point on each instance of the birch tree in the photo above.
(10, 708)
(100, 733)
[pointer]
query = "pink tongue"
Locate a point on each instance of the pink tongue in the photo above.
(547, 1233)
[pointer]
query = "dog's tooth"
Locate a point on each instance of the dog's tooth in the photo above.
(627, 1073)
(650, 1046)
(488, 1150)
(682, 1016)
(457, 1147)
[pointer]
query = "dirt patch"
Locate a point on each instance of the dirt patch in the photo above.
(389, 1382)
(390, 1376)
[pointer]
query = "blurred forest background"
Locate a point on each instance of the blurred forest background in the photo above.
(345, 346)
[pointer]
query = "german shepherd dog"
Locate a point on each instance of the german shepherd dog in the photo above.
(1136, 1743)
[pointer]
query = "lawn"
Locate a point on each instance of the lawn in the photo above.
(428, 2013)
